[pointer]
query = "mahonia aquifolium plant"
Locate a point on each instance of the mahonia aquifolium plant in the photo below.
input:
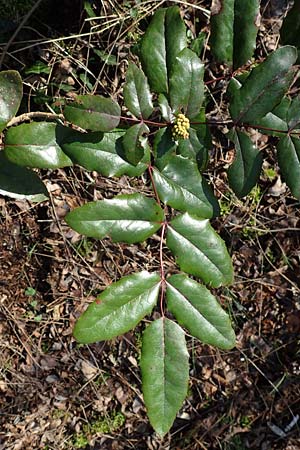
(172, 151)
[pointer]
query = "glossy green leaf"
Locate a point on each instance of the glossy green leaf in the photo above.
(19, 182)
(103, 153)
(164, 146)
(290, 30)
(246, 24)
(135, 143)
(165, 372)
(119, 308)
(11, 92)
(93, 112)
(288, 153)
(194, 148)
(271, 125)
(199, 312)
(199, 250)
(244, 172)
(37, 144)
(264, 87)
(166, 110)
(137, 95)
(186, 84)
(125, 218)
(221, 21)
(181, 186)
(164, 39)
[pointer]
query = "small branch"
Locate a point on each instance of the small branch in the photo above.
(147, 122)
(34, 115)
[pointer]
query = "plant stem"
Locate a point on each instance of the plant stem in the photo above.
(34, 115)
(162, 270)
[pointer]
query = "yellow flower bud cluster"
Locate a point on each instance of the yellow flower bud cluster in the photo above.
(181, 127)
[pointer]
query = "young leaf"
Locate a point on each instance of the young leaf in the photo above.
(102, 152)
(19, 182)
(125, 218)
(93, 112)
(11, 92)
(264, 87)
(164, 39)
(288, 153)
(221, 39)
(134, 143)
(244, 172)
(246, 24)
(199, 250)
(186, 193)
(137, 95)
(119, 308)
(37, 144)
(186, 83)
(165, 372)
(199, 312)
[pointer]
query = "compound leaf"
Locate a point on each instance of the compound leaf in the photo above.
(20, 182)
(125, 218)
(119, 308)
(199, 312)
(199, 250)
(288, 153)
(137, 95)
(11, 92)
(164, 39)
(186, 83)
(244, 172)
(37, 144)
(93, 112)
(103, 153)
(181, 186)
(134, 143)
(264, 87)
(165, 372)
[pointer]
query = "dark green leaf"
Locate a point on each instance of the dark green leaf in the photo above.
(197, 309)
(288, 153)
(246, 24)
(164, 146)
(37, 144)
(93, 112)
(181, 186)
(135, 143)
(119, 308)
(244, 172)
(264, 87)
(11, 92)
(194, 148)
(165, 372)
(137, 95)
(273, 122)
(221, 39)
(165, 108)
(199, 250)
(164, 39)
(103, 153)
(125, 218)
(19, 182)
(290, 30)
(186, 83)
